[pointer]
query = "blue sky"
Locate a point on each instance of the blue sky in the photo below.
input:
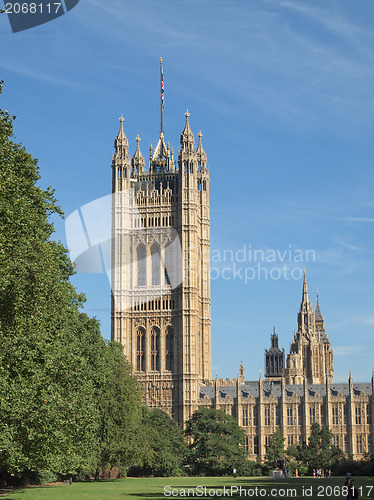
(283, 93)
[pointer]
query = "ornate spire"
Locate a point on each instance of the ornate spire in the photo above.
(121, 164)
(317, 314)
(241, 378)
(305, 298)
(305, 322)
(138, 162)
(274, 340)
(121, 143)
(161, 159)
(201, 155)
(187, 136)
(200, 149)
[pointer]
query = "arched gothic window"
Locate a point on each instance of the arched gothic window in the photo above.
(141, 255)
(169, 264)
(140, 350)
(169, 349)
(155, 258)
(155, 349)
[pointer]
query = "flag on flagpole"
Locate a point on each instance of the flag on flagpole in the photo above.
(162, 88)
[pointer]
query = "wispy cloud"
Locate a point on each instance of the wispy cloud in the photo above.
(367, 320)
(355, 219)
(41, 75)
(334, 23)
(346, 350)
(289, 74)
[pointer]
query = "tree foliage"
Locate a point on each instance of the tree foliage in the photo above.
(217, 443)
(120, 412)
(164, 445)
(275, 449)
(68, 402)
(318, 453)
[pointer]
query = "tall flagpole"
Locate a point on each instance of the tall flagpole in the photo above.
(161, 95)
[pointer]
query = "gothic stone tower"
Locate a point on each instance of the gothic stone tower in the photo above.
(311, 355)
(274, 360)
(161, 269)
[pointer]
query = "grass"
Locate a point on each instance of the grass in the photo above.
(153, 488)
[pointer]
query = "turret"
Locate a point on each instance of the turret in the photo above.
(121, 168)
(274, 359)
(318, 318)
(137, 162)
(187, 138)
(121, 143)
(241, 377)
(161, 159)
(305, 319)
(201, 155)
(187, 162)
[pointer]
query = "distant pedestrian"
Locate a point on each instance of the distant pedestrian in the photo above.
(352, 492)
(296, 473)
(234, 472)
(314, 473)
(330, 473)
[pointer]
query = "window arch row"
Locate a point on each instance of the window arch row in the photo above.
(154, 264)
(152, 344)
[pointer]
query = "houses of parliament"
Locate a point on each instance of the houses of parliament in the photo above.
(161, 312)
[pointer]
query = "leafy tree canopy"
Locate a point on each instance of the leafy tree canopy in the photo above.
(164, 445)
(275, 449)
(68, 403)
(319, 453)
(217, 443)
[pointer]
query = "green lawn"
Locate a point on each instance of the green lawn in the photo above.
(153, 488)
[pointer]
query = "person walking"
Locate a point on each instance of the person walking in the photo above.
(352, 492)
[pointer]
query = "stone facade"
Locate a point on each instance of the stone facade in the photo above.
(262, 406)
(294, 397)
(311, 355)
(161, 313)
(274, 360)
(161, 269)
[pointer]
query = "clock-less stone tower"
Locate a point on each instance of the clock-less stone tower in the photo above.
(311, 354)
(161, 269)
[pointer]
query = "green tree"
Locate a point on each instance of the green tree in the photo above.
(319, 453)
(217, 443)
(120, 412)
(164, 444)
(275, 449)
(68, 403)
(48, 415)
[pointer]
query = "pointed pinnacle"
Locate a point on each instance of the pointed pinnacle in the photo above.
(305, 289)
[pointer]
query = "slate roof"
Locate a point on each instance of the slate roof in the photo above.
(274, 389)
